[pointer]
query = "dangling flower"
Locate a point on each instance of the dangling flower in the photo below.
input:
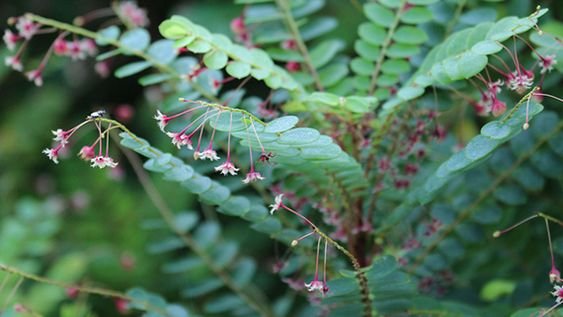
(10, 39)
(53, 154)
(278, 202)
(554, 275)
(103, 161)
(61, 136)
(179, 139)
(498, 107)
(520, 81)
(227, 168)
(252, 176)
(558, 293)
(315, 285)
(75, 51)
(162, 120)
(210, 154)
(87, 153)
(88, 47)
(133, 14)
(60, 46)
(35, 77)
(26, 28)
(546, 63)
(14, 62)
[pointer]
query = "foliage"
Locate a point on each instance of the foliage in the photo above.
(388, 153)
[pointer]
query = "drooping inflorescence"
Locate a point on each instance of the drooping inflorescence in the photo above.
(204, 114)
(97, 153)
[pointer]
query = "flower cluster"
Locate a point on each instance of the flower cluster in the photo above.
(130, 12)
(316, 284)
(100, 159)
(242, 33)
(25, 30)
(201, 115)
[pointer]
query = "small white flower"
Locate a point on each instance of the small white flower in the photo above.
(227, 168)
(546, 63)
(13, 62)
(61, 136)
(53, 154)
(26, 27)
(10, 39)
(35, 77)
(252, 176)
(278, 202)
(162, 120)
(558, 293)
(520, 81)
(209, 154)
(316, 285)
(103, 161)
(179, 139)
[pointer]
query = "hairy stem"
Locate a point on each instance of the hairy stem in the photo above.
(294, 29)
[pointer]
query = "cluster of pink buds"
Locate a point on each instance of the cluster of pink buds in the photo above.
(316, 284)
(98, 159)
(242, 33)
(489, 102)
(132, 14)
(195, 129)
(25, 30)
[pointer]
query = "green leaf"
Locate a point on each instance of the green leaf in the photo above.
(318, 27)
(372, 34)
(173, 29)
(333, 74)
(362, 66)
(131, 69)
(186, 221)
(325, 52)
(417, 15)
(107, 35)
(281, 124)
(299, 136)
(135, 40)
(410, 35)
(222, 304)
(366, 50)
(163, 51)
(199, 46)
(399, 50)
(215, 59)
(395, 66)
(238, 69)
(379, 15)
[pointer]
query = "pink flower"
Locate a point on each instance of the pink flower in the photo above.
(316, 285)
(75, 51)
(103, 161)
(179, 139)
(227, 168)
(290, 44)
(87, 153)
(520, 81)
(558, 293)
(209, 154)
(26, 28)
(53, 154)
(35, 77)
(237, 25)
(60, 46)
(554, 275)
(546, 63)
(102, 68)
(498, 107)
(292, 66)
(88, 46)
(162, 120)
(10, 39)
(72, 292)
(61, 136)
(252, 176)
(278, 203)
(14, 62)
(135, 15)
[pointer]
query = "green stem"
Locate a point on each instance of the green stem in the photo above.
(384, 47)
(294, 29)
(187, 238)
(83, 289)
(93, 35)
(227, 109)
(455, 18)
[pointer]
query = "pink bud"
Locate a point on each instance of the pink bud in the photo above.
(124, 112)
(237, 25)
(72, 292)
(292, 66)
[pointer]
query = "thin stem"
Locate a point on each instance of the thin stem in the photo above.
(13, 292)
(386, 43)
(499, 233)
(93, 35)
(294, 30)
(317, 259)
(549, 243)
(453, 21)
(225, 108)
